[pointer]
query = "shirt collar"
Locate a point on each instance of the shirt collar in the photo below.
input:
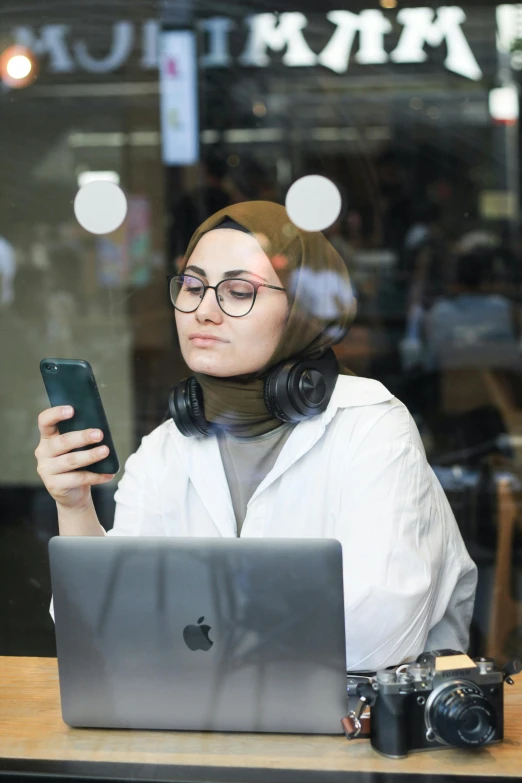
(353, 392)
(349, 392)
(202, 459)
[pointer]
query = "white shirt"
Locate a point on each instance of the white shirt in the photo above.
(357, 473)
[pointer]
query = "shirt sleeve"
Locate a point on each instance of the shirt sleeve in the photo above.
(409, 581)
(138, 511)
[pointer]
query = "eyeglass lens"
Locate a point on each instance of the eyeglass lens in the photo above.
(235, 296)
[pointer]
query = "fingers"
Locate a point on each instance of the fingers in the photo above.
(59, 464)
(62, 444)
(72, 461)
(49, 418)
(63, 483)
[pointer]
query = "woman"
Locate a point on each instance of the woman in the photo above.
(356, 471)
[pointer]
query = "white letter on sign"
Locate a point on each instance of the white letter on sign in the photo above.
(266, 33)
(218, 28)
(420, 28)
(51, 42)
(121, 48)
(371, 26)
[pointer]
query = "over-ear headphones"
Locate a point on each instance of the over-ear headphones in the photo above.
(293, 391)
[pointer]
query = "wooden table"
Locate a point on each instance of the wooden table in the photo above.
(34, 739)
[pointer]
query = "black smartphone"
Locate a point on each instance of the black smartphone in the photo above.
(72, 382)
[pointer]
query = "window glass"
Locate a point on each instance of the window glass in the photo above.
(410, 113)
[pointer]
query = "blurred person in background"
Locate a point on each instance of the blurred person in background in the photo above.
(472, 317)
(396, 199)
(423, 266)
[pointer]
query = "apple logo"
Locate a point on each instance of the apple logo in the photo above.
(196, 636)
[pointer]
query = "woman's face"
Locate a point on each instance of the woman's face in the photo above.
(241, 345)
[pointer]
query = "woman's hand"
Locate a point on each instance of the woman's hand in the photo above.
(58, 463)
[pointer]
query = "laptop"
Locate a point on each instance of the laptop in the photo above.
(200, 634)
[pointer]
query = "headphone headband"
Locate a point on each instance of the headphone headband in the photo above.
(293, 391)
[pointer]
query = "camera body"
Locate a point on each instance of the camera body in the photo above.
(442, 699)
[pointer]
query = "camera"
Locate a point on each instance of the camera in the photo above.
(442, 699)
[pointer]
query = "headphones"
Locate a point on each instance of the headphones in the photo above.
(293, 391)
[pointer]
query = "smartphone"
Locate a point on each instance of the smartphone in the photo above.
(72, 382)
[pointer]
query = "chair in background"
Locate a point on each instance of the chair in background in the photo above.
(506, 612)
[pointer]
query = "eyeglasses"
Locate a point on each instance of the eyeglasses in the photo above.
(236, 297)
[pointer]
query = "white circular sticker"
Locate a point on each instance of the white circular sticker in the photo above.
(100, 207)
(313, 203)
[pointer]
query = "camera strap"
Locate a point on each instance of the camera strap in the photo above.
(356, 725)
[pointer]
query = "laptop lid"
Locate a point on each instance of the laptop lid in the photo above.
(200, 634)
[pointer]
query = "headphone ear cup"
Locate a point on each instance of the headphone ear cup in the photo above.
(268, 384)
(294, 391)
(187, 409)
(275, 393)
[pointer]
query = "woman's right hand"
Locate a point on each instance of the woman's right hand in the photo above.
(57, 463)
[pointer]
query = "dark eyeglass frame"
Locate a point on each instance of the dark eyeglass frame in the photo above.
(254, 283)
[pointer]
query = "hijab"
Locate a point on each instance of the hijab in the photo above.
(321, 308)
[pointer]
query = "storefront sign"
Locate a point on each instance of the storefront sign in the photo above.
(178, 97)
(267, 33)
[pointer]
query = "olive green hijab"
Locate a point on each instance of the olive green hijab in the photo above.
(321, 309)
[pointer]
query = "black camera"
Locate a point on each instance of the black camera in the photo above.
(442, 699)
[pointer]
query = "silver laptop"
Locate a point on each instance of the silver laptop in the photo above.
(200, 633)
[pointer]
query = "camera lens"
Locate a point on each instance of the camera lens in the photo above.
(51, 367)
(460, 715)
(471, 723)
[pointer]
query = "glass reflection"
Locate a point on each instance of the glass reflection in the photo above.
(429, 231)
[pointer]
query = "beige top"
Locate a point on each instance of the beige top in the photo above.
(247, 461)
